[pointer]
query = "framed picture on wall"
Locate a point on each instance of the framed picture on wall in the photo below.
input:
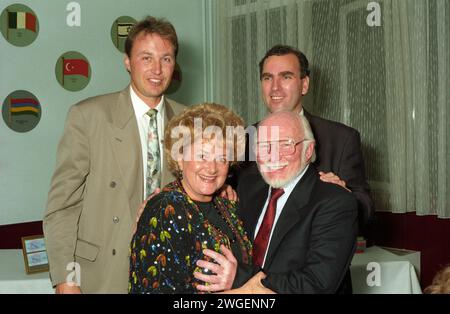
(34, 254)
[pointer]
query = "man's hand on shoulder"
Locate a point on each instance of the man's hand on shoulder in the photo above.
(330, 177)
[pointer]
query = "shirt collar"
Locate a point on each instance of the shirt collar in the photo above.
(291, 185)
(140, 107)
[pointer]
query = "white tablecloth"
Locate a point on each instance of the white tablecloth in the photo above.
(14, 279)
(397, 274)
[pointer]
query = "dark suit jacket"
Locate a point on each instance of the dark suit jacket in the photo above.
(338, 149)
(314, 239)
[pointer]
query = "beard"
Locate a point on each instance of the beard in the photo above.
(265, 169)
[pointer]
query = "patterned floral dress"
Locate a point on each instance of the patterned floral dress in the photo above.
(171, 234)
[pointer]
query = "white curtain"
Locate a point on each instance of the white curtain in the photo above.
(390, 82)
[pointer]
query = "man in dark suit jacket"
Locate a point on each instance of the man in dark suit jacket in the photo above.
(339, 155)
(284, 74)
(312, 238)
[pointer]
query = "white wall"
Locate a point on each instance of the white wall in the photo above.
(27, 159)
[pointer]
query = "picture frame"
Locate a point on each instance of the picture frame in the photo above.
(34, 254)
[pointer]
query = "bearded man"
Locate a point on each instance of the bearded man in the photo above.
(304, 229)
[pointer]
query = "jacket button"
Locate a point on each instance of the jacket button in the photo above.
(114, 252)
(116, 219)
(113, 184)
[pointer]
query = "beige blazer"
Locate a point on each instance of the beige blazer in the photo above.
(95, 192)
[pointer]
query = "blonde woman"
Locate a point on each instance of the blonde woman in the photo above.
(188, 223)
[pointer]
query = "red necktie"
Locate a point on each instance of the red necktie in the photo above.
(262, 239)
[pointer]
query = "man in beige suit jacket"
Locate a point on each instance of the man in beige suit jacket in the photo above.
(98, 183)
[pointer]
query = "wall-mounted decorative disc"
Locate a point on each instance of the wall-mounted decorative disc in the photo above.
(119, 31)
(19, 25)
(73, 71)
(21, 111)
(176, 80)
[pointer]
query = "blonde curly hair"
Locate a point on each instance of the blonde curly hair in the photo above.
(211, 114)
(441, 282)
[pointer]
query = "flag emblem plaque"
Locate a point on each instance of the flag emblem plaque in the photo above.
(21, 111)
(73, 71)
(119, 31)
(19, 25)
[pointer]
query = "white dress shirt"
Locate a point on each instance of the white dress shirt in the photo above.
(143, 120)
(280, 205)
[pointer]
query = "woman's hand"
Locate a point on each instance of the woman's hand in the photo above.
(224, 269)
(252, 286)
(226, 191)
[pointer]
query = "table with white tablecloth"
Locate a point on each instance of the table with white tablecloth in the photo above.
(379, 270)
(397, 274)
(14, 279)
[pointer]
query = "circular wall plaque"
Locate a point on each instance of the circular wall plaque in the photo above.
(176, 80)
(119, 31)
(73, 71)
(21, 111)
(19, 25)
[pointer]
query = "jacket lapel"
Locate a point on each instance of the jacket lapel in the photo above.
(293, 211)
(127, 150)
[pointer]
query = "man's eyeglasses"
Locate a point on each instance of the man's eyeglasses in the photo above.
(284, 147)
